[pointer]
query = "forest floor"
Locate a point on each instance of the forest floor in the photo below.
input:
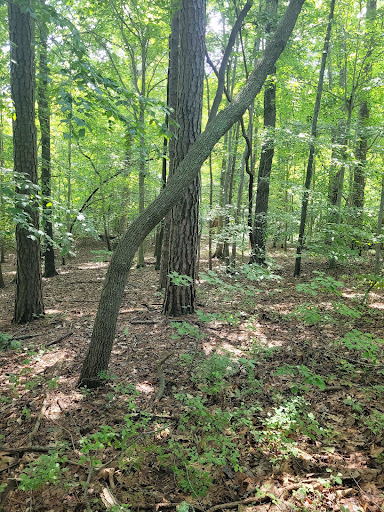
(270, 398)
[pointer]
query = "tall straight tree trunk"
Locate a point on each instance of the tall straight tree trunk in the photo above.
(143, 152)
(2, 212)
(45, 127)
(358, 184)
(29, 298)
(267, 151)
(308, 177)
(379, 229)
(172, 88)
(103, 334)
(180, 299)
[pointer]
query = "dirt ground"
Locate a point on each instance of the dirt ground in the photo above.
(331, 459)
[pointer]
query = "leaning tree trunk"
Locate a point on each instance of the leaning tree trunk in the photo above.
(184, 235)
(29, 298)
(103, 334)
(45, 127)
(308, 177)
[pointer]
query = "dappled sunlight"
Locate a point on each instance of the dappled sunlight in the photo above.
(377, 305)
(145, 387)
(53, 311)
(93, 265)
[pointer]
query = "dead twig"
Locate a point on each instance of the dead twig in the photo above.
(59, 339)
(25, 449)
(234, 504)
(38, 421)
(160, 373)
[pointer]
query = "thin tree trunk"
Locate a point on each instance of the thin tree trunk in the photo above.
(379, 228)
(103, 334)
(172, 88)
(267, 151)
(304, 205)
(45, 127)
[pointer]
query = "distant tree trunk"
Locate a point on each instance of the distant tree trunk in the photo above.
(180, 299)
(143, 152)
(103, 334)
(45, 127)
(379, 229)
(358, 184)
(311, 158)
(29, 299)
(267, 151)
(172, 88)
(2, 212)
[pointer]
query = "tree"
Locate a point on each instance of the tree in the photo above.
(29, 298)
(180, 298)
(267, 151)
(45, 128)
(99, 351)
(311, 156)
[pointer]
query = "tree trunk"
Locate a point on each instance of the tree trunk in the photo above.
(45, 128)
(379, 228)
(180, 299)
(98, 355)
(172, 88)
(267, 151)
(29, 298)
(358, 184)
(308, 177)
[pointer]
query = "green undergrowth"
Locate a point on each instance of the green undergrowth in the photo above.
(260, 405)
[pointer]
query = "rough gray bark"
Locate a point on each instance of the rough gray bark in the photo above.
(98, 355)
(28, 299)
(184, 233)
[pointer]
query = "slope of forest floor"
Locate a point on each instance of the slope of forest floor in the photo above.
(270, 398)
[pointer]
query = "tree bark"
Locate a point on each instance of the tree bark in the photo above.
(45, 128)
(267, 151)
(98, 355)
(172, 87)
(29, 298)
(184, 235)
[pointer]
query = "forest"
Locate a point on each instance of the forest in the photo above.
(191, 255)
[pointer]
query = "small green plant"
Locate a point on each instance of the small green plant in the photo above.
(186, 329)
(47, 469)
(354, 405)
(212, 442)
(7, 342)
(277, 440)
(308, 314)
(53, 383)
(101, 255)
(375, 422)
(180, 279)
(342, 309)
(308, 378)
(365, 344)
(211, 373)
(322, 283)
